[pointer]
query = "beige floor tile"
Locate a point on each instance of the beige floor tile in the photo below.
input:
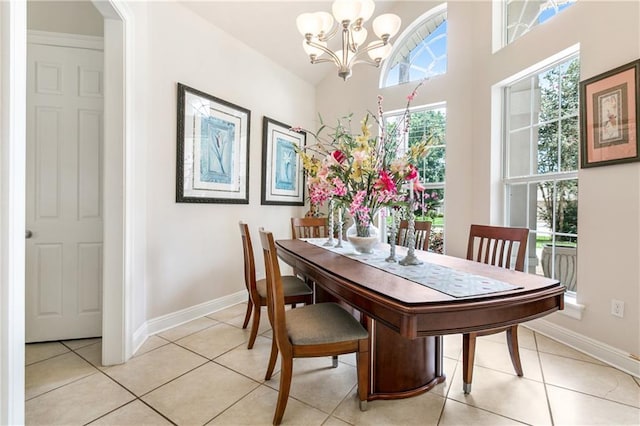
(264, 326)
(456, 414)
(134, 413)
(79, 343)
(550, 346)
(504, 394)
(77, 403)
(93, 354)
(574, 408)
(495, 355)
(152, 342)
(637, 380)
(317, 383)
(186, 329)
(214, 341)
(230, 313)
(597, 380)
(452, 346)
(251, 363)
(258, 408)
(348, 359)
(146, 372)
(54, 372)
(334, 421)
(197, 397)
(526, 338)
(418, 410)
(34, 352)
(449, 369)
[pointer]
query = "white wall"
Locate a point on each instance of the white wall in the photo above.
(74, 17)
(194, 251)
(609, 211)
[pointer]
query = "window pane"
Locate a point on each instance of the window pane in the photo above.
(569, 145)
(520, 153)
(548, 148)
(420, 54)
(523, 15)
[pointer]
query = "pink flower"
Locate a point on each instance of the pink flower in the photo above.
(385, 182)
(413, 173)
(339, 156)
(339, 188)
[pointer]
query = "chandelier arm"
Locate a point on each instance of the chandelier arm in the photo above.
(329, 36)
(357, 60)
(334, 57)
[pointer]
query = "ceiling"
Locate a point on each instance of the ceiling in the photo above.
(270, 27)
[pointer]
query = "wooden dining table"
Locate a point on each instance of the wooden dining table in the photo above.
(407, 320)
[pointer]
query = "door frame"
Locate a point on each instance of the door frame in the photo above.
(117, 333)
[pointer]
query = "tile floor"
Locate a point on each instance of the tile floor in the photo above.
(201, 373)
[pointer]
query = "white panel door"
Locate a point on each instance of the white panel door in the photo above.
(64, 193)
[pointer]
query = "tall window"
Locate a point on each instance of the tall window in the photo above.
(541, 167)
(523, 15)
(428, 124)
(421, 51)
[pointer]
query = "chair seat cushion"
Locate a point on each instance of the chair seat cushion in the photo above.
(322, 323)
(291, 286)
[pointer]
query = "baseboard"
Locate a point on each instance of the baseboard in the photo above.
(165, 322)
(598, 350)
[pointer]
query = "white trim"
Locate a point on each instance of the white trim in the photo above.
(608, 354)
(165, 322)
(572, 308)
(117, 333)
(13, 75)
(65, 40)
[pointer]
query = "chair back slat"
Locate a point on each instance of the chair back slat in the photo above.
(249, 261)
(422, 234)
(309, 227)
(496, 245)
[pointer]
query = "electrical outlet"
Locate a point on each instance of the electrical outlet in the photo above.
(617, 308)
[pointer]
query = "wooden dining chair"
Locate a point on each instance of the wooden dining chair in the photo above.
(323, 329)
(294, 289)
(494, 245)
(309, 227)
(422, 233)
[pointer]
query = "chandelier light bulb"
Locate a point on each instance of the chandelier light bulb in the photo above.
(380, 53)
(308, 23)
(359, 36)
(386, 25)
(311, 50)
(346, 10)
(326, 21)
(366, 9)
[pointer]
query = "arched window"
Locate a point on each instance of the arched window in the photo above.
(420, 52)
(523, 15)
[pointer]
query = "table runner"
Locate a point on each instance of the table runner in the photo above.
(440, 278)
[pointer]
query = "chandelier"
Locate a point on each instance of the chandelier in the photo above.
(350, 15)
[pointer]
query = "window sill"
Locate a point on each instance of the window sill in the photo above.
(572, 308)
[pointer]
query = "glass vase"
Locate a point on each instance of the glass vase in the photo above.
(363, 244)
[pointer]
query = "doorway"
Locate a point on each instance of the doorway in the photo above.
(118, 258)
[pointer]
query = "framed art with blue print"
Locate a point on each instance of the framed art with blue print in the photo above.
(282, 174)
(213, 149)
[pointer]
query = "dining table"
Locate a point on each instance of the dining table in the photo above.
(408, 310)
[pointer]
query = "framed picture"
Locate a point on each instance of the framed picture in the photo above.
(282, 174)
(609, 117)
(213, 149)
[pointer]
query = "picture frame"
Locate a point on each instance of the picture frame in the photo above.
(212, 149)
(282, 172)
(609, 117)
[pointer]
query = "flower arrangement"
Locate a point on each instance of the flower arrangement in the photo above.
(362, 171)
